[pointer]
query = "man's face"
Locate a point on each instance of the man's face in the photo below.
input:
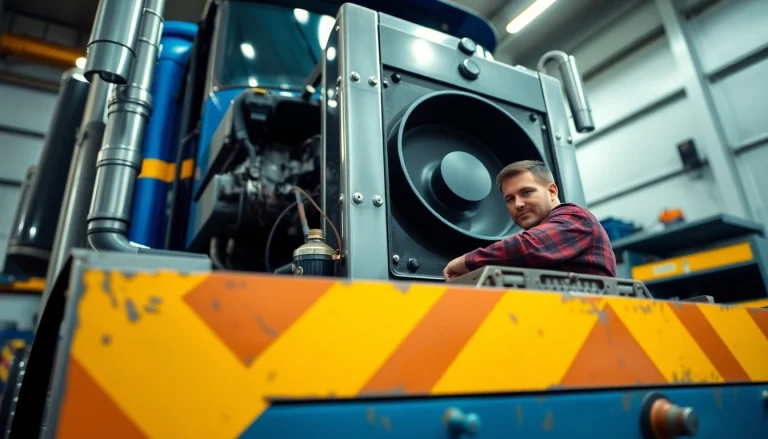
(528, 199)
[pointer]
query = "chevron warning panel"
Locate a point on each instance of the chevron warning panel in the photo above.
(205, 355)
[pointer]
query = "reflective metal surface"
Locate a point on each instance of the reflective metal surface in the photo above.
(111, 47)
(119, 160)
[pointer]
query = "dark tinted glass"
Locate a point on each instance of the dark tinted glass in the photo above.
(269, 46)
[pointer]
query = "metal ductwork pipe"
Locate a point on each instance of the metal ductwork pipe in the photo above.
(119, 162)
(113, 44)
(70, 231)
(574, 88)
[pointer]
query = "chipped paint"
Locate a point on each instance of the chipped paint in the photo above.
(594, 309)
(513, 318)
(386, 423)
(229, 284)
(626, 401)
(267, 330)
(155, 300)
(370, 414)
(150, 309)
(216, 304)
(717, 393)
(519, 415)
(106, 339)
(549, 421)
(401, 286)
(645, 309)
(106, 288)
(130, 310)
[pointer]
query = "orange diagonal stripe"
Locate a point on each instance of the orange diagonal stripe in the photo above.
(88, 412)
(710, 342)
(610, 356)
(760, 316)
(433, 344)
(248, 312)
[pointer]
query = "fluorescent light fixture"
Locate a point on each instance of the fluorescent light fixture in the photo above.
(80, 63)
(528, 15)
(324, 28)
(301, 15)
(248, 50)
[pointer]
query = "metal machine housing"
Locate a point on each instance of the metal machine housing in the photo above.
(363, 53)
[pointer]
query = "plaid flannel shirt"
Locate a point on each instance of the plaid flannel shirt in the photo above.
(568, 239)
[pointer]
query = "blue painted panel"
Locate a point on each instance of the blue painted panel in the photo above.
(723, 412)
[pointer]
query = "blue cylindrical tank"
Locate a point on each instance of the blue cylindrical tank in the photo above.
(148, 219)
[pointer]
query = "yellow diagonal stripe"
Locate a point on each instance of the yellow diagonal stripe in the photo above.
(3, 374)
(520, 337)
(177, 351)
(337, 346)
(332, 349)
(743, 338)
(666, 341)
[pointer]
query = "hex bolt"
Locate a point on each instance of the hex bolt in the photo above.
(378, 201)
(357, 198)
(543, 127)
(396, 259)
(341, 199)
(532, 117)
(385, 83)
(413, 264)
(570, 139)
(354, 76)
(373, 82)
(558, 136)
(396, 78)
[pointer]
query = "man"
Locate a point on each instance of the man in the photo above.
(557, 236)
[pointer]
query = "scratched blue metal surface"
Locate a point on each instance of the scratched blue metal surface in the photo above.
(723, 412)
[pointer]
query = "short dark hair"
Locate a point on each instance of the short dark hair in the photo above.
(535, 167)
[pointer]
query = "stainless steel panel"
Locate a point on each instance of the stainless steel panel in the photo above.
(362, 168)
(111, 48)
(434, 55)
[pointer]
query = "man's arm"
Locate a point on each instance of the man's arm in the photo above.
(559, 239)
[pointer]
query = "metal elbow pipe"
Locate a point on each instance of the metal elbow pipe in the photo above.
(119, 161)
(574, 88)
(112, 46)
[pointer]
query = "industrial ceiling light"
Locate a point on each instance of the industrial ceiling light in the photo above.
(528, 15)
(80, 63)
(248, 50)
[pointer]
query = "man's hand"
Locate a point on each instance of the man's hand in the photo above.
(455, 268)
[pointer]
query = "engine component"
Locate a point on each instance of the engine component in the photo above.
(31, 242)
(315, 257)
(265, 145)
(111, 48)
(414, 138)
(549, 280)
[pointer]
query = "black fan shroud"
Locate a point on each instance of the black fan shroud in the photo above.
(445, 152)
(450, 147)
